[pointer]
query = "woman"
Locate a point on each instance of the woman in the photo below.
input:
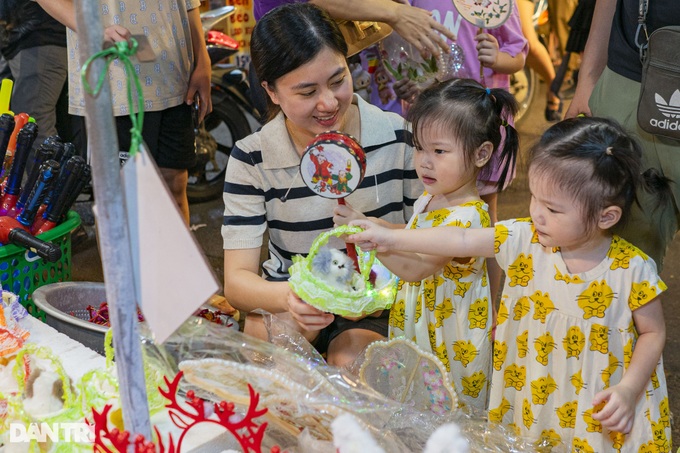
(299, 55)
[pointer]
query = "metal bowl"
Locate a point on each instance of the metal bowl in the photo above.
(65, 306)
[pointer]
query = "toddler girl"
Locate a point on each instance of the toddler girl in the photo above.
(444, 303)
(498, 52)
(577, 355)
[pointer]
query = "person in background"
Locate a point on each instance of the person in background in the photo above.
(611, 66)
(559, 14)
(499, 52)
(180, 71)
(539, 60)
(34, 46)
(309, 91)
(579, 25)
(577, 354)
(415, 25)
(444, 302)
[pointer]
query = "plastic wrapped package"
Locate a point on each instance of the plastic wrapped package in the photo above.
(402, 60)
(415, 380)
(219, 364)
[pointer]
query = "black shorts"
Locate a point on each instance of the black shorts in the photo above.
(169, 135)
(340, 324)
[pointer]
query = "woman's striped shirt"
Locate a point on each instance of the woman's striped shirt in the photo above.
(264, 165)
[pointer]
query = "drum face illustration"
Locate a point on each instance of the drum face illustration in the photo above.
(333, 165)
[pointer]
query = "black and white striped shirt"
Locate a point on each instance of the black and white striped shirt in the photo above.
(265, 164)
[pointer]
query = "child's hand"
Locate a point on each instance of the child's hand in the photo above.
(308, 317)
(487, 49)
(344, 214)
(618, 413)
(373, 236)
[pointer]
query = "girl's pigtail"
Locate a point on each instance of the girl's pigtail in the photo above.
(655, 183)
(505, 106)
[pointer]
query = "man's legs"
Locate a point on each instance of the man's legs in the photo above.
(39, 77)
(169, 136)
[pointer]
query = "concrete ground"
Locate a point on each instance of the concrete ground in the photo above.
(206, 220)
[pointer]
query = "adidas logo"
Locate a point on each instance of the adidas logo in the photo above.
(670, 109)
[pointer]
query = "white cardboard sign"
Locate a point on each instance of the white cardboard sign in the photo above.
(172, 275)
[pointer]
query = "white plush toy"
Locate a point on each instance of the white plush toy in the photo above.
(333, 267)
(447, 438)
(44, 394)
(361, 81)
(350, 437)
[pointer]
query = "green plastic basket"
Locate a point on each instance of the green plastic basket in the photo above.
(22, 271)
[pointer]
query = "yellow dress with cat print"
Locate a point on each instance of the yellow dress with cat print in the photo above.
(449, 313)
(564, 337)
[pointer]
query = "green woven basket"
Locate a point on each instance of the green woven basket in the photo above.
(366, 299)
(22, 271)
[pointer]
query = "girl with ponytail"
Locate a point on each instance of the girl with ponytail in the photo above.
(444, 302)
(577, 353)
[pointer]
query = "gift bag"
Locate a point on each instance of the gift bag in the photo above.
(659, 104)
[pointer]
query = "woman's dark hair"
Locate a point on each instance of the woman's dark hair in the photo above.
(289, 36)
(598, 164)
(474, 115)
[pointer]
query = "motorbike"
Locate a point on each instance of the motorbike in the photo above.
(524, 83)
(228, 122)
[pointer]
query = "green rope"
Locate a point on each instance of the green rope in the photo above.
(121, 51)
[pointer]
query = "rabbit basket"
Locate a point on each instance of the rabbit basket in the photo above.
(364, 296)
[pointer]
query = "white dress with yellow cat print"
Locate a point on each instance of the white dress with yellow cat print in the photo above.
(449, 312)
(562, 337)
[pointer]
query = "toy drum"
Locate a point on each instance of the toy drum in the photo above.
(333, 165)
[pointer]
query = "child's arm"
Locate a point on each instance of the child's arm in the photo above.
(440, 241)
(412, 267)
(344, 214)
(619, 412)
(491, 57)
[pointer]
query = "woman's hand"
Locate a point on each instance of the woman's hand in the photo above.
(344, 214)
(308, 317)
(417, 26)
(487, 49)
(618, 413)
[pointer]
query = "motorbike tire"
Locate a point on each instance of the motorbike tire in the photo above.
(523, 85)
(226, 124)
